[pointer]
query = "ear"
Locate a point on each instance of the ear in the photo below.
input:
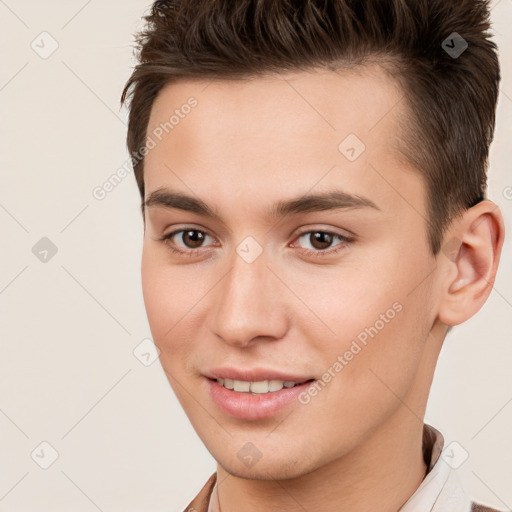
(470, 255)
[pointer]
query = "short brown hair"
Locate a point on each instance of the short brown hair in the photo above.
(452, 97)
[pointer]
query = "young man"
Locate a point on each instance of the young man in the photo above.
(313, 181)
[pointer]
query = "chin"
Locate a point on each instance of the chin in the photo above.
(267, 472)
(268, 469)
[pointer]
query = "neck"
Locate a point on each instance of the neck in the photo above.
(381, 474)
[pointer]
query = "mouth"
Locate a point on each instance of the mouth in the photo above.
(255, 400)
(260, 387)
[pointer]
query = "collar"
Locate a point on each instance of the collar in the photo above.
(440, 490)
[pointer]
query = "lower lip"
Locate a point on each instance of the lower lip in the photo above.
(255, 406)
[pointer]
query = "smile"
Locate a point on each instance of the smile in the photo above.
(254, 400)
(257, 387)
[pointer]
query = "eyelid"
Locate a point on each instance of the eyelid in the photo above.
(332, 231)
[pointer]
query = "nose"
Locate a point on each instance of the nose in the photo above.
(249, 303)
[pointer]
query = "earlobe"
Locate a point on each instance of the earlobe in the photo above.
(471, 258)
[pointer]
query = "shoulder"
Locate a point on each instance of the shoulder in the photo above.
(477, 507)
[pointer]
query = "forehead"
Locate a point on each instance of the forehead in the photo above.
(275, 132)
(331, 101)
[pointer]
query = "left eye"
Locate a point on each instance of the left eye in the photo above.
(321, 240)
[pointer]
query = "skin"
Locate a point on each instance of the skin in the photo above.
(357, 444)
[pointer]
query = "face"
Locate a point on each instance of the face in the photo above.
(253, 279)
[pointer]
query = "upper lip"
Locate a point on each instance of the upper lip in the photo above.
(254, 375)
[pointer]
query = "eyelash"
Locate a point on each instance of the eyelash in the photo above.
(308, 252)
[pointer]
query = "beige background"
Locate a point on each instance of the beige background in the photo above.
(68, 374)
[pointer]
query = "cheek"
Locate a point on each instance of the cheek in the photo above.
(164, 299)
(354, 302)
(157, 293)
(164, 308)
(375, 366)
(168, 290)
(172, 297)
(379, 317)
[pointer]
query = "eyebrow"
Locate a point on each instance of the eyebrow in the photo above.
(333, 200)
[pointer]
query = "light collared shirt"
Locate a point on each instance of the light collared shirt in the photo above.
(440, 490)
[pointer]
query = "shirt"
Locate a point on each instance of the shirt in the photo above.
(440, 490)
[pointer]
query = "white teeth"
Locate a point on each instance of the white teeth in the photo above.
(259, 387)
(240, 385)
(275, 385)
